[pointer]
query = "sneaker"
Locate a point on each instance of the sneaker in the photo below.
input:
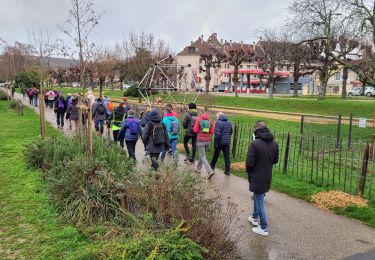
(258, 230)
(227, 173)
(192, 160)
(186, 159)
(255, 222)
(210, 174)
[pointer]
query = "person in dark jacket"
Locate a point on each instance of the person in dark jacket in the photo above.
(99, 113)
(222, 137)
(115, 119)
(148, 135)
(72, 114)
(60, 109)
(188, 123)
(130, 129)
(263, 153)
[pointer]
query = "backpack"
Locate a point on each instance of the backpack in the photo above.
(175, 127)
(192, 123)
(204, 126)
(133, 127)
(100, 109)
(60, 104)
(158, 134)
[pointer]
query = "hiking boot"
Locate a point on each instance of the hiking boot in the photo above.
(192, 160)
(210, 174)
(258, 230)
(255, 222)
(227, 173)
(186, 159)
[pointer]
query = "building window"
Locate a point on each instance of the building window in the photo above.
(356, 76)
(249, 66)
(338, 76)
(241, 66)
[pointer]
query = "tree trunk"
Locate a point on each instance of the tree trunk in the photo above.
(235, 80)
(271, 85)
(344, 81)
(100, 89)
(295, 80)
(207, 78)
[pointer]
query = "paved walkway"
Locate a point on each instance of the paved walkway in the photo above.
(298, 230)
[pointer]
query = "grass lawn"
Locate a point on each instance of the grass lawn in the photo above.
(313, 106)
(29, 223)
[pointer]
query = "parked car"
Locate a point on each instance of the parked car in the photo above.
(199, 89)
(357, 91)
(370, 91)
(125, 86)
(75, 84)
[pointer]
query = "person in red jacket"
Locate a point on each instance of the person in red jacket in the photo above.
(204, 127)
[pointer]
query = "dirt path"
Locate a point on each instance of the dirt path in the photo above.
(298, 230)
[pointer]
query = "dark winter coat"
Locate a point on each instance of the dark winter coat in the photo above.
(72, 111)
(96, 115)
(145, 119)
(118, 115)
(56, 107)
(223, 131)
(262, 155)
(187, 122)
(147, 134)
(125, 132)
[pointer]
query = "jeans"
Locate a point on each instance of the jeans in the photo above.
(99, 126)
(193, 144)
(154, 160)
(202, 147)
(260, 210)
(60, 119)
(31, 100)
(130, 145)
(226, 152)
(50, 103)
(173, 142)
(35, 101)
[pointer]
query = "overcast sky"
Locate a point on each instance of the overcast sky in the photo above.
(176, 21)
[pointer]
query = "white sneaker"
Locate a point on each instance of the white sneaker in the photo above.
(255, 222)
(258, 230)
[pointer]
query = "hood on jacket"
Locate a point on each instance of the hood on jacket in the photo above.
(193, 112)
(264, 134)
(204, 116)
(223, 118)
(169, 114)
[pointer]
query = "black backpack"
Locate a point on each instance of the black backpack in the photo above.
(100, 109)
(158, 134)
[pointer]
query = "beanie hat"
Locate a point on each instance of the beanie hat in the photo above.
(154, 112)
(192, 106)
(259, 125)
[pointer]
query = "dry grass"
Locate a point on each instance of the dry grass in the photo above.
(180, 148)
(332, 199)
(239, 166)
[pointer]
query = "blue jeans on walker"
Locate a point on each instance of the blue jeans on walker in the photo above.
(173, 142)
(260, 210)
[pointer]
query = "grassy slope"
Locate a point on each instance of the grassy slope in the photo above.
(29, 224)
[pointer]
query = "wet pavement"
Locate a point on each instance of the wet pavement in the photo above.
(297, 230)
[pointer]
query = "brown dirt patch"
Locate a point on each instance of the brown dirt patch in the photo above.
(332, 199)
(180, 148)
(239, 166)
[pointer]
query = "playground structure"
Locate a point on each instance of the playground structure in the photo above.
(173, 79)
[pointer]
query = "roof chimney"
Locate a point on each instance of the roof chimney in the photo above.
(191, 42)
(214, 35)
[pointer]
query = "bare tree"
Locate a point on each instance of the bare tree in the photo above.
(104, 66)
(236, 54)
(15, 59)
(81, 21)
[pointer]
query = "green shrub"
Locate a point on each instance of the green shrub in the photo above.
(3, 95)
(131, 92)
(170, 245)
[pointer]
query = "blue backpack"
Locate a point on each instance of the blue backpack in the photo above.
(175, 127)
(133, 127)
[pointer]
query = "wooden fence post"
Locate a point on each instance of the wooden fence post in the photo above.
(362, 178)
(235, 139)
(372, 155)
(42, 119)
(89, 130)
(286, 155)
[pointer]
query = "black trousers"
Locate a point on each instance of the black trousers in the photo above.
(60, 119)
(226, 152)
(116, 138)
(130, 145)
(154, 160)
(193, 144)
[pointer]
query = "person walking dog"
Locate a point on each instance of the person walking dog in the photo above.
(223, 132)
(263, 153)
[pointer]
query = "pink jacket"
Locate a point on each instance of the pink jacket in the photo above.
(203, 137)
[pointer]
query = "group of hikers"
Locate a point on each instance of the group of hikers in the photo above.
(160, 132)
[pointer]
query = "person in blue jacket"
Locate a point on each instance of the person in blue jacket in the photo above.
(222, 137)
(172, 124)
(131, 130)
